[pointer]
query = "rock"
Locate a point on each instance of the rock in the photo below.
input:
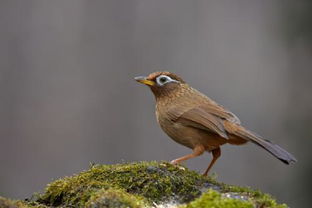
(143, 184)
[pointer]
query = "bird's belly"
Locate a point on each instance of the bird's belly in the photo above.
(192, 137)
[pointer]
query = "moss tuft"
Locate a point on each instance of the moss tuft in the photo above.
(260, 199)
(213, 199)
(7, 203)
(112, 198)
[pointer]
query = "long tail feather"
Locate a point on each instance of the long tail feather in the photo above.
(274, 149)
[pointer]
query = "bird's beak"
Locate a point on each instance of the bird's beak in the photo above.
(145, 81)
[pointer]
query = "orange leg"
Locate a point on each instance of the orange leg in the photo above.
(216, 153)
(198, 150)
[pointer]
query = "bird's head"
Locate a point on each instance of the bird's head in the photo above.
(161, 83)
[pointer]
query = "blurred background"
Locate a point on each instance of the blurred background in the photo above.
(68, 98)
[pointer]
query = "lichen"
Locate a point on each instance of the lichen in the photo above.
(143, 184)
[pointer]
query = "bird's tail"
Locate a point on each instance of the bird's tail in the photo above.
(274, 149)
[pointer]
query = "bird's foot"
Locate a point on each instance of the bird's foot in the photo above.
(175, 162)
(205, 174)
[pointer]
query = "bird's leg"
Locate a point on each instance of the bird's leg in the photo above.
(198, 150)
(216, 153)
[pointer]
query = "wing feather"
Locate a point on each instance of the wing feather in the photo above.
(200, 118)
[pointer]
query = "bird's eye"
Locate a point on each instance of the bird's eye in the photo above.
(163, 79)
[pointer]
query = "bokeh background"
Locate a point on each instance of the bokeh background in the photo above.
(68, 98)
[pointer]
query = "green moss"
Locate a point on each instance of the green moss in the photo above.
(213, 199)
(112, 198)
(142, 184)
(7, 203)
(260, 199)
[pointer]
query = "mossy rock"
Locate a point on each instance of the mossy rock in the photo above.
(144, 184)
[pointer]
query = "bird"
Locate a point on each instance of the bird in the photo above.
(194, 120)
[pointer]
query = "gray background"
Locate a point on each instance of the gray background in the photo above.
(67, 95)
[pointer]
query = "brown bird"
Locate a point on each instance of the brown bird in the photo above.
(195, 121)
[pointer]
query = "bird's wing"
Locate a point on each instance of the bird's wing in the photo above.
(198, 117)
(221, 112)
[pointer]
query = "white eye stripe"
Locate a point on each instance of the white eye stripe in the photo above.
(163, 79)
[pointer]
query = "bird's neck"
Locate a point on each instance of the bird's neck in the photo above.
(170, 95)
